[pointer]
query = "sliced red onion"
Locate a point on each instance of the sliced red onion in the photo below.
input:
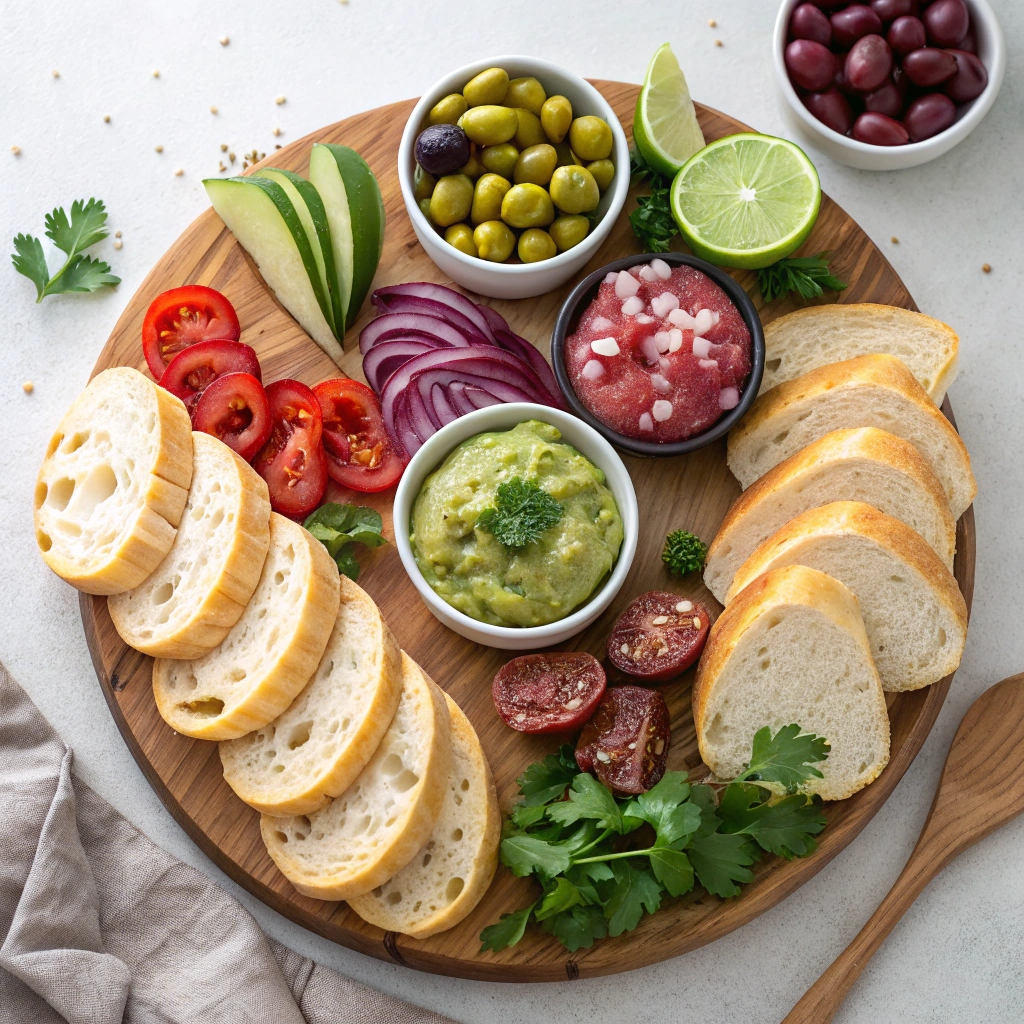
(418, 304)
(481, 399)
(522, 348)
(383, 359)
(393, 325)
(494, 318)
(385, 300)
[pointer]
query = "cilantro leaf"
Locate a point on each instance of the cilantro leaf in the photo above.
(704, 797)
(652, 221)
(30, 261)
(339, 527)
(564, 896)
(83, 230)
(720, 861)
(673, 869)
(507, 932)
(783, 827)
(667, 809)
(524, 815)
(85, 274)
(547, 780)
(808, 276)
(577, 928)
(785, 759)
(588, 798)
(527, 855)
(522, 512)
(636, 890)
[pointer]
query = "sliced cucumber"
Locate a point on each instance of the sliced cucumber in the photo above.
(310, 208)
(261, 217)
(355, 212)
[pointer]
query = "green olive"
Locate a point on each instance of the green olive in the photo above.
(556, 116)
(527, 93)
(535, 165)
(590, 138)
(565, 156)
(568, 230)
(452, 199)
(536, 245)
(500, 159)
(474, 168)
(422, 183)
(448, 110)
(494, 241)
(487, 88)
(424, 205)
(527, 206)
(489, 125)
(460, 236)
(603, 172)
(573, 189)
(529, 132)
(487, 196)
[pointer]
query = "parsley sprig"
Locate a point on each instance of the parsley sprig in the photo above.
(684, 552)
(652, 220)
(72, 236)
(603, 862)
(522, 511)
(340, 527)
(808, 276)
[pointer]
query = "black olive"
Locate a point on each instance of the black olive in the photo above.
(442, 149)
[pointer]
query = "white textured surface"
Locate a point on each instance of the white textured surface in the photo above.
(956, 955)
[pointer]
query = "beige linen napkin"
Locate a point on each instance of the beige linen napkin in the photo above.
(100, 926)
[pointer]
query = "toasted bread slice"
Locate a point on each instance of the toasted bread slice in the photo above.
(114, 482)
(913, 611)
(442, 884)
(869, 391)
(791, 648)
(863, 464)
(818, 335)
(197, 593)
(370, 832)
(317, 747)
(269, 654)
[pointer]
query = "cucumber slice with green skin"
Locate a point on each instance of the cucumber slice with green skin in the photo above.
(264, 222)
(355, 212)
(310, 208)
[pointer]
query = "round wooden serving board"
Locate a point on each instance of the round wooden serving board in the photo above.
(692, 492)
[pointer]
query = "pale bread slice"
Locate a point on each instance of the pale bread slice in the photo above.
(869, 391)
(374, 829)
(114, 482)
(913, 611)
(317, 747)
(817, 335)
(863, 464)
(197, 593)
(269, 654)
(791, 649)
(442, 884)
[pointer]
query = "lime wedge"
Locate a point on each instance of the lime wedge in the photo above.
(665, 127)
(746, 200)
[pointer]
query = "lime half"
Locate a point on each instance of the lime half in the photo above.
(665, 127)
(746, 200)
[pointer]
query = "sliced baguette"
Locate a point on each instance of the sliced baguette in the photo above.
(913, 611)
(269, 654)
(862, 464)
(869, 391)
(114, 482)
(791, 648)
(317, 747)
(442, 884)
(817, 335)
(197, 593)
(381, 822)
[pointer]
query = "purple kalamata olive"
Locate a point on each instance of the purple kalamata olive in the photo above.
(946, 22)
(868, 63)
(886, 99)
(906, 34)
(442, 149)
(879, 130)
(889, 10)
(810, 65)
(928, 115)
(843, 85)
(970, 79)
(831, 108)
(969, 43)
(929, 66)
(807, 22)
(853, 23)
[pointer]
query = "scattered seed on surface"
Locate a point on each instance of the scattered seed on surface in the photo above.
(222, 167)
(106, 119)
(179, 172)
(712, 23)
(156, 73)
(231, 157)
(718, 42)
(28, 387)
(224, 40)
(277, 146)
(279, 100)
(117, 234)
(118, 243)
(223, 147)
(894, 240)
(55, 73)
(159, 149)
(277, 131)
(16, 150)
(986, 268)
(213, 110)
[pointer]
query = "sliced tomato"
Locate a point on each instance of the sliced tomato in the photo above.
(359, 453)
(182, 317)
(235, 409)
(293, 461)
(192, 371)
(659, 636)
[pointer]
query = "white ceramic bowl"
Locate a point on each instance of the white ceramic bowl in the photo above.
(991, 51)
(582, 437)
(512, 280)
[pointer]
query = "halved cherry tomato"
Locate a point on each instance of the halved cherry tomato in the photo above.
(659, 636)
(182, 317)
(235, 409)
(193, 370)
(293, 461)
(359, 452)
(554, 692)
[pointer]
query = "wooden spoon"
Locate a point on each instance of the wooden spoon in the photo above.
(982, 788)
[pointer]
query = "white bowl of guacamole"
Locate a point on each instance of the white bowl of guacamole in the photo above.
(517, 525)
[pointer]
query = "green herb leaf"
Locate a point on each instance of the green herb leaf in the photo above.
(673, 869)
(667, 808)
(684, 553)
(784, 827)
(339, 527)
(83, 230)
(785, 759)
(577, 928)
(720, 862)
(808, 276)
(563, 896)
(588, 798)
(636, 890)
(528, 855)
(85, 274)
(29, 260)
(522, 512)
(507, 932)
(548, 780)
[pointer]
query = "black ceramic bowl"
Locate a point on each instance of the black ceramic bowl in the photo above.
(580, 298)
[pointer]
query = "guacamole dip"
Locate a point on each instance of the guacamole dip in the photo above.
(544, 580)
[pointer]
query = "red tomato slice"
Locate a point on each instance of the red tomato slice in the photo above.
(359, 453)
(182, 317)
(193, 370)
(659, 636)
(293, 461)
(235, 409)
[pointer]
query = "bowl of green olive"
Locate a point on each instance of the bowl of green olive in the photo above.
(513, 171)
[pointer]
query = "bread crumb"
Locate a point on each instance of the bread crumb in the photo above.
(16, 150)
(28, 387)
(224, 40)
(279, 100)
(894, 240)
(986, 268)
(118, 243)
